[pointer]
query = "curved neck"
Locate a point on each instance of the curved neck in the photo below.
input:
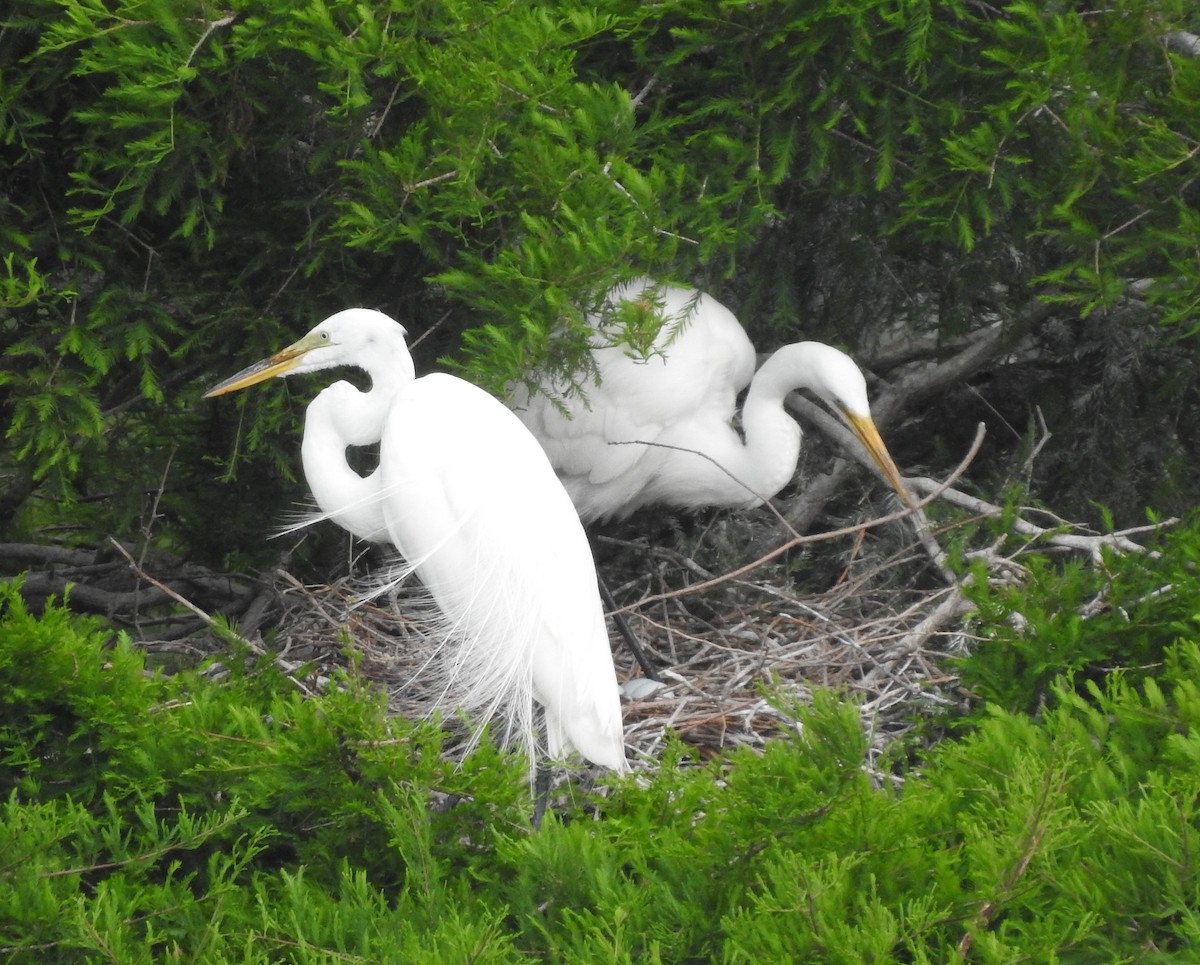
(390, 367)
(772, 436)
(339, 417)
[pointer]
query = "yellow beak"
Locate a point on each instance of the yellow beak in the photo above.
(280, 363)
(868, 435)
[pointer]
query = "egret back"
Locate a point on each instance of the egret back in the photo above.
(470, 499)
(683, 395)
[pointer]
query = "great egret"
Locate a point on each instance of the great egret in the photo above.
(680, 402)
(467, 496)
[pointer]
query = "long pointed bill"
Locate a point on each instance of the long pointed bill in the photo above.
(868, 435)
(281, 363)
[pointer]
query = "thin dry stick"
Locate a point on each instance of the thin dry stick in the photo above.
(955, 605)
(181, 600)
(429, 331)
(1073, 541)
(750, 492)
(147, 525)
(799, 540)
(1035, 831)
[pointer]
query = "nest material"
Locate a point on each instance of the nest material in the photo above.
(737, 653)
(734, 658)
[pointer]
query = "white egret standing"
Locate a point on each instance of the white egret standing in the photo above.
(681, 400)
(468, 497)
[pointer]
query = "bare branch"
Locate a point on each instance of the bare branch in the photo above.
(1092, 544)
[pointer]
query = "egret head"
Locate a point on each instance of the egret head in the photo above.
(357, 336)
(835, 377)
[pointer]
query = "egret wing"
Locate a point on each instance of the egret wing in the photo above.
(475, 505)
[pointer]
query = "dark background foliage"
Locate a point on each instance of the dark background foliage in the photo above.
(186, 188)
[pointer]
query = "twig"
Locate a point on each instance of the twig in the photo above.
(429, 331)
(181, 600)
(954, 606)
(799, 540)
(1073, 541)
(209, 27)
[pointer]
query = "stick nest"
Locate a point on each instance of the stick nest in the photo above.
(735, 656)
(870, 610)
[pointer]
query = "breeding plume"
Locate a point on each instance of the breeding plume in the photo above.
(468, 498)
(660, 430)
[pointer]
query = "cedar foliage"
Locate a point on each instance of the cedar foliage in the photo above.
(187, 818)
(185, 188)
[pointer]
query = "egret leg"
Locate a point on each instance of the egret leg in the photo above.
(626, 632)
(541, 796)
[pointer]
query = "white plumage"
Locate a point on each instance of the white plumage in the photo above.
(469, 499)
(660, 430)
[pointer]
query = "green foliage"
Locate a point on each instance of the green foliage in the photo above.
(186, 188)
(183, 189)
(846, 100)
(175, 803)
(1082, 620)
(229, 818)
